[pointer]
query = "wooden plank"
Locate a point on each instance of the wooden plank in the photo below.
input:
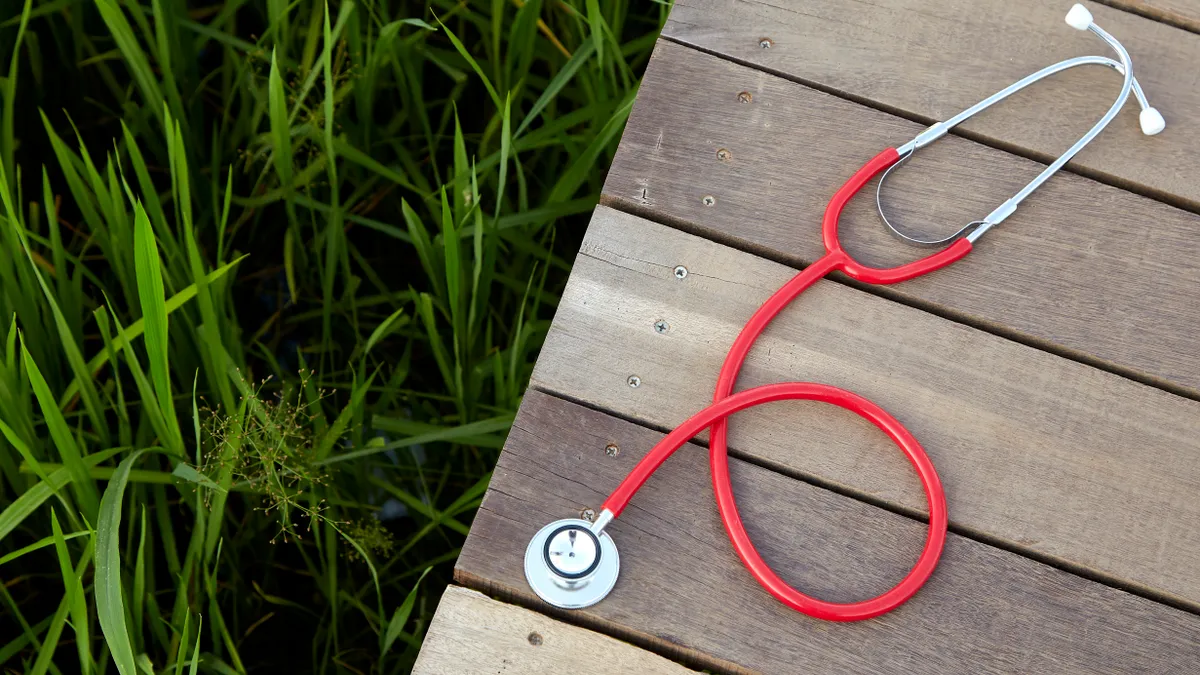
(1083, 268)
(1182, 13)
(1036, 451)
(683, 590)
(472, 634)
(934, 58)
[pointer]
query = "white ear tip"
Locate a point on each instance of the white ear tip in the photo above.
(1079, 17)
(1152, 121)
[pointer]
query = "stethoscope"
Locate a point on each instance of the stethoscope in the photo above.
(573, 563)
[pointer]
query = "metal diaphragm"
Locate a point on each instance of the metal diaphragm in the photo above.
(569, 566)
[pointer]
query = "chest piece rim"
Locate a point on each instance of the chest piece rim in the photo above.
(575, 582)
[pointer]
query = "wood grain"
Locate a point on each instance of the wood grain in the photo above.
(934, 58)
(1082, 268)
(1182, 13)
(1036, 451)
(683, 591)
(472, 634)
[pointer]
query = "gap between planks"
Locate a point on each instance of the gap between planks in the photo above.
(1057, 562)
(894, 67)
(1182, 14)
(983, 607)
(587, 620)
(960, 131)
(1077, 465)
(1089, 272)
(471, 634)
(887, 292)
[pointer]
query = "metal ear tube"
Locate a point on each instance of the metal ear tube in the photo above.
(1150, 120)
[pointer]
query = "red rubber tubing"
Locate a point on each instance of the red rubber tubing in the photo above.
(725, 403)
(851, 267)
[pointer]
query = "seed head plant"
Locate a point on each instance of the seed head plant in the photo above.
(267, 445)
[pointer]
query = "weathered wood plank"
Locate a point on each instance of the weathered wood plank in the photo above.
(1035, 450)
(1182, 13)
(472, 634)
(683, 589)
(934, 58)
(1092, 270)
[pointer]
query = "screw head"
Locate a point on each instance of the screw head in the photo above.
(709, 200)
(661, 326)
(745, 97)
(588, 514)
(681, 272)
(612, 449)
(634, 381)
(765, 43)
(723, 154)
(535, 639)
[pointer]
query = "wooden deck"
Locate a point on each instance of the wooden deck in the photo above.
(1053, 375)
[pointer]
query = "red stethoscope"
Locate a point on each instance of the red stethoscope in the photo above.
(573, 563)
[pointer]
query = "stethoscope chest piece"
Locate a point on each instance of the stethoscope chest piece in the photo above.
(569, 566)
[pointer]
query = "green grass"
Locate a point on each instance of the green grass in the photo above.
(273, 277)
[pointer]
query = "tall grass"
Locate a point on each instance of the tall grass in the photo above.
(273, 277)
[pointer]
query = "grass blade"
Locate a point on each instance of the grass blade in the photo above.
(22, 507)
(424, 305)
(596, 21)
(146, 392)
(148, 191)
(38, 545)
(139, 581)
(400, 617)
(154, 314)
(7, 142)
(447, 435)
(91, 397)
(430, 260)
(134, 330)
(384, 328)
(474, 65)
(82, 486)
(289, 263)
(417, 504)
(196, 652)
(506, 138)
(452, 255)
(570, 180)
(191, 475)
(18, 644)
(75, 599)
(561, 79)
(281, 133)
(339, 425)
(49, 645)
(110, 604)
(184, 638)
(134, 57)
